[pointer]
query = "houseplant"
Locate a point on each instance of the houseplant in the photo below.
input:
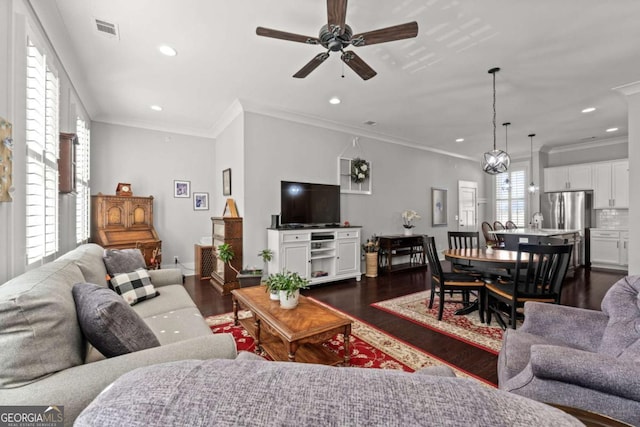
(225, 254)
(370, 249)
(252, 276)
(407, 217)
(288, 285)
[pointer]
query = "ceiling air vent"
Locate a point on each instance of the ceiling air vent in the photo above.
(107, 28)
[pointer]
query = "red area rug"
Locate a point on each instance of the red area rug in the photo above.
(415, 307)
(369, 346)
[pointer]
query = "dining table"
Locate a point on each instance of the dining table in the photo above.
(492, 261)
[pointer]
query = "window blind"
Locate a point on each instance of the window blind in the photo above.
(82, 181)
(42, 154)
(510, 201)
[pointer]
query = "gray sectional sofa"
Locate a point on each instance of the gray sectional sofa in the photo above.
(44, 358)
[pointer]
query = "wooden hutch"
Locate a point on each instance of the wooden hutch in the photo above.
(120, 222)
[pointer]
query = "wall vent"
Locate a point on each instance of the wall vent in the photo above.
(107, 28)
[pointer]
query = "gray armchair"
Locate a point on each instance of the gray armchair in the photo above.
(581, 358)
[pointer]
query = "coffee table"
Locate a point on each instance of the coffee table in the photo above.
(291, 334)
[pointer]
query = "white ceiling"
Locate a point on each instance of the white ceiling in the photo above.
(557, 57)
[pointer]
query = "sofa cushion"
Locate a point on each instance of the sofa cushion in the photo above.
(276, 394)
(177, 325)
(134, 287)
(109, 323)
(120, 261)
(622, 305)
(89, 258)
(174, 297)
(39, 332)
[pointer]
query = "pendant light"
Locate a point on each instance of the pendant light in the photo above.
(495, 161)
(532, 186)
(507, 184)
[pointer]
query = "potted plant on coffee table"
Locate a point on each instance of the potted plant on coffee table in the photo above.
(288, 285)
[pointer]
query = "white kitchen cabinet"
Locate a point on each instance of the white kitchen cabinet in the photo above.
(609, 248)
(611, 185)
(318, 254)
(573, 177)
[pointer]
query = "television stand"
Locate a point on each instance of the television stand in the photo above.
(319, 254)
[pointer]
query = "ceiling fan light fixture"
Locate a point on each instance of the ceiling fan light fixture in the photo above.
(495, 161)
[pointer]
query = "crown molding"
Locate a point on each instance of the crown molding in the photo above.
(252, 107)
(586, 145)
(629, 88)
(234, 110)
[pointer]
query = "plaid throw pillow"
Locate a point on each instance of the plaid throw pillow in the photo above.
(134, 287)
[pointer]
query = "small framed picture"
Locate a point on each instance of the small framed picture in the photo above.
(200, 201)
(182, 189)
(226, 182)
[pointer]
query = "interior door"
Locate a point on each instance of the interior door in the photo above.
(467, 206)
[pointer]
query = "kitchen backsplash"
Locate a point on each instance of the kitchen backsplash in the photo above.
(612, 218)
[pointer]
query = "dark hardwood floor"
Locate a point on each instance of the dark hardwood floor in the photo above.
(583, 288)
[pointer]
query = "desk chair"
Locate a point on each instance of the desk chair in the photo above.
(539, 279)
(456, 282)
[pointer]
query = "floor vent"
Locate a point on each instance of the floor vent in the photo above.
(107, 28)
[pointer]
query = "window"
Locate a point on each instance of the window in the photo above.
(510, 201)
(82, 181)
(42, 157)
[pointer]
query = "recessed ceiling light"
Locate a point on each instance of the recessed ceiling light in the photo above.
(167, 50)
(589, 110)
(156, 108)
(612, 129)
(335, 100)
(460, 140)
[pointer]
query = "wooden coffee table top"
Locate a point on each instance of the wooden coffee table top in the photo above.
(306, 320)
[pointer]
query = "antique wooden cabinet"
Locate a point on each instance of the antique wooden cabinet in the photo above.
(226, 230)
(121, 222)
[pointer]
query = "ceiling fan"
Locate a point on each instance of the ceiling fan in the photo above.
(336, 35)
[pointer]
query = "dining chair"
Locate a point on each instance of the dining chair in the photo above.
(497, 225)
(538, 276)
(510, 225)
(463, 240)
(489, 238)
(451, 281)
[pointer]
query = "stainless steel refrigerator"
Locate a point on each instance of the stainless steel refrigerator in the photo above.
(568, 210)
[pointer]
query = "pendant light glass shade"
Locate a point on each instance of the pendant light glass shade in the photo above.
(495, 161)
(532, 187)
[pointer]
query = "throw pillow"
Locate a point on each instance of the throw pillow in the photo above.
(109, 323)
(134, 287)
(123, 260)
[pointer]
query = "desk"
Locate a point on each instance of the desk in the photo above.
(401, 245)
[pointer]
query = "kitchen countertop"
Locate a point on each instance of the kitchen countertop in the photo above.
(543, 232)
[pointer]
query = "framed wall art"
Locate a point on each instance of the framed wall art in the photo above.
(438, 206)
(226, 182)
(200, 201)
(182, 189)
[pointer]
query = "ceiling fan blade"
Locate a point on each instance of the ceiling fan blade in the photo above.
(337, 14)
(277, 34)
(358, 65)
(311, 65)
(397, 32)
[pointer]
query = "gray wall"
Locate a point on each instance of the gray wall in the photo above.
(150, 161)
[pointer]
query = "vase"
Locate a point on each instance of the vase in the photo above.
(274, 295)
(408, 231)
(371, 264)
(290, 301)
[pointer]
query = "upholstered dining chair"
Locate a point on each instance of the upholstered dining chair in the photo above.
(510, 225)
(538, 276)
(450, 281)
(489, 238)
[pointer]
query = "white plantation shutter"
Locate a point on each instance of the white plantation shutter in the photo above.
(82, 181)
(510, 202)
(42, 154)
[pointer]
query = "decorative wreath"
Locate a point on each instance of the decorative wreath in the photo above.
(359, 170)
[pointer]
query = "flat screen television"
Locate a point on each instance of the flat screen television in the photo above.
(303, 203)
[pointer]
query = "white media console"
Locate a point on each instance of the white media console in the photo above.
(320, 254)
